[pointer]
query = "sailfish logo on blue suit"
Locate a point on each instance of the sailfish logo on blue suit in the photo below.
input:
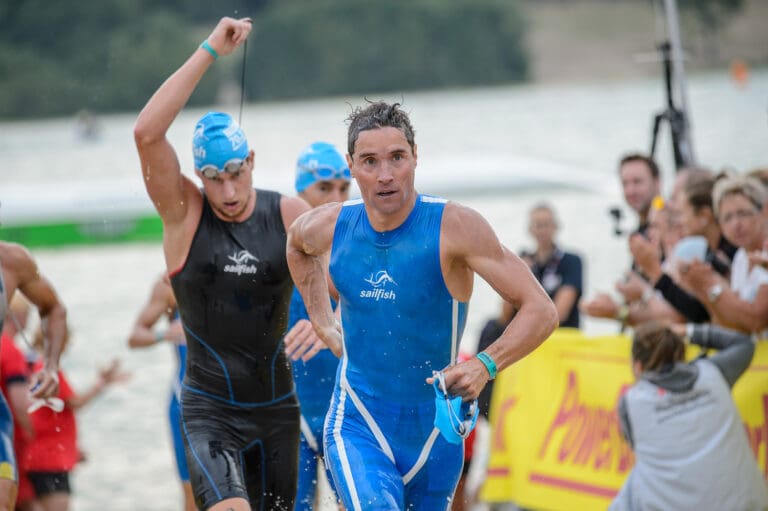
(380, 279)
(379, 291)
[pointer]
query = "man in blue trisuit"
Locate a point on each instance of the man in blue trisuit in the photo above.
(403, 265)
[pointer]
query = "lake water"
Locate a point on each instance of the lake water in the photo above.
(498, 150)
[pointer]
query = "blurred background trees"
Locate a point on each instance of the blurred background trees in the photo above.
(57, 58)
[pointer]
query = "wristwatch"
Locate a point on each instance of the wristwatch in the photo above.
(714, 292)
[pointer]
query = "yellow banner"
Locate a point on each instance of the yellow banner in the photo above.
(556, 442)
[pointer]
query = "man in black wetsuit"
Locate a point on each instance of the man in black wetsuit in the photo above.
(224, 247)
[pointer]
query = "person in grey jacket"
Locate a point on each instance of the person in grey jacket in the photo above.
(691, 450)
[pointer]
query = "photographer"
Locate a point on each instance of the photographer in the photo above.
(680, 419)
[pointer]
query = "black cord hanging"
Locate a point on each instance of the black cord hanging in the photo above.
(242, 83)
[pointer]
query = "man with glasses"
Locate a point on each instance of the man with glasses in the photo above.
(224, 247)
(403, 265)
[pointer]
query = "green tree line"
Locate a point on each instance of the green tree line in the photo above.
(57, 58)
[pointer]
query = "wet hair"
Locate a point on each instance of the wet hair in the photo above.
(377, 115)
(750, 187)
(649, 162)
(656, 346)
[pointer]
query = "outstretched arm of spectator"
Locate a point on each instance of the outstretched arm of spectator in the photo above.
(735, 349)
(106, 376)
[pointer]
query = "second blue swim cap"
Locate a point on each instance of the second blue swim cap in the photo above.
(320, 162)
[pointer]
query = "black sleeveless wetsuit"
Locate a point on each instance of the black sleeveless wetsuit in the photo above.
(240, 416)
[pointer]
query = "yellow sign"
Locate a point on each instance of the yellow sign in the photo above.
(556, 441)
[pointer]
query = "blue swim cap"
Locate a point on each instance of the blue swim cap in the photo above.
(453, 417)
(217, 140)
(320, 162)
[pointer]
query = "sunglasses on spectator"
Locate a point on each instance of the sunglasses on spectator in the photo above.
(233, 166)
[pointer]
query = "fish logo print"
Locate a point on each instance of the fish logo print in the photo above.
(380, 279)
(378, 290)
(243, 257)
(241, 266)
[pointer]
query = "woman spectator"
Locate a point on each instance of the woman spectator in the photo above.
(743, 305)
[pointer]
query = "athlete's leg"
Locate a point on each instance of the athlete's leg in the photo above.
(365, 478)
(174, 420)
(334, 497)
(236, 504)
(364, 475)
(212, 445)
(271, 461)
(189, 496)
(460, 499)
(307, 483)
(215, 470)
(433, 487)
(8, 490)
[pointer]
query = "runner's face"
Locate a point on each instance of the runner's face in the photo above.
(384, 167)
(230, 193)
(323, 192)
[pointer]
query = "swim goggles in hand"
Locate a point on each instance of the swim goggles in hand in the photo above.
(233, 166)
(54, 403)
(453, 417)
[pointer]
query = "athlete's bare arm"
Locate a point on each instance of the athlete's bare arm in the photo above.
(301, 341)
(175, 196)
(20, 272)
(469, 245)
(292, 208)
(309, 242)
(161, 303)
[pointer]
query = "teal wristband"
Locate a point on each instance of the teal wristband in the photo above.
(159, 336)
(207, 47)
(488, 362)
